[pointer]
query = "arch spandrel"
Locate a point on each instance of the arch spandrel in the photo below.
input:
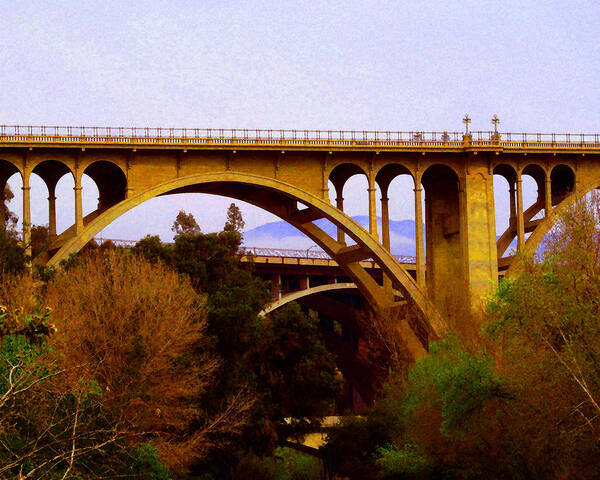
(272, 191)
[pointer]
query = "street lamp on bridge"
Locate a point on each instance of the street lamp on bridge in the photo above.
(495, 121)
(466, 121)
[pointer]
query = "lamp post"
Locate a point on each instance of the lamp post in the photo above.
(496, 136)
(466, 121)
(495, 121)
(308, 249)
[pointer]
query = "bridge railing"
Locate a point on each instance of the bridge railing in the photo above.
(306, 253)
(309, 253)
(204, 136)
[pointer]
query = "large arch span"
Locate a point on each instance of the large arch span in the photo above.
(282, 199)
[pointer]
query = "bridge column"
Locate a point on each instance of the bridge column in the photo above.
(51, 211)
(548, 196)
(339, 203)
(276, 287)
(78, 206)
(479, 234)
(385, 231)
(304, 282)
(419, 240)
(385, 221)
(520, 219)
(26, 215)
(512, 191)
(372, 207)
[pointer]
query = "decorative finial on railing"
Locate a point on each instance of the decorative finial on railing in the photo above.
(495, 121)
(466, 121)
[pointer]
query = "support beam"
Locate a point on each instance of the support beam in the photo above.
(352, 254)
(548, 196)
(372, 208)
(520, 219)
(385, 222)
(78, 207)
(339, 201)
(304, 282)
(419, 240)
(276, 287)
(512, 191)
(385, 234)
(51, 212)
(306, 215)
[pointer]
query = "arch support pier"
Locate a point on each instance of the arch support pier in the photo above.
(480, 259)
(462, 265)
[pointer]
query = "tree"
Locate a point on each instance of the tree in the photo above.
(280, 360)
(185, 224)
(9, 219)
(152, 249)
(126, 367)
(235, 223)
(295, 377)
(524, 402)
(12, 253)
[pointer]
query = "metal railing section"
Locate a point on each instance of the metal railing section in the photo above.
(264, 251)
(307, 253)
(266, 137)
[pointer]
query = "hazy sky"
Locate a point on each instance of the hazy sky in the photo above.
(404, 65)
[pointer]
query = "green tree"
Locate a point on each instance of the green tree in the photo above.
(9, 218)
(295, 378)
(123, 362)
(185, 223)
(279, 360)
(235, 222)
(523, 403)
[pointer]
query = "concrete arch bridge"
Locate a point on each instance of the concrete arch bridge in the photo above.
(289, 172)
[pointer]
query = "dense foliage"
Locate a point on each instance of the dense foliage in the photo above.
(522, 404)
(102, 370)
(155, 362)
(278, 361)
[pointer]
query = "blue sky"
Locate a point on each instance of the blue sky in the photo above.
(403, 65)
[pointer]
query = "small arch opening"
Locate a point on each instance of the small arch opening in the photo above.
(562, 180)
(110, 181)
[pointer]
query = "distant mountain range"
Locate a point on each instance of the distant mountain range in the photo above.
(282, 235)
